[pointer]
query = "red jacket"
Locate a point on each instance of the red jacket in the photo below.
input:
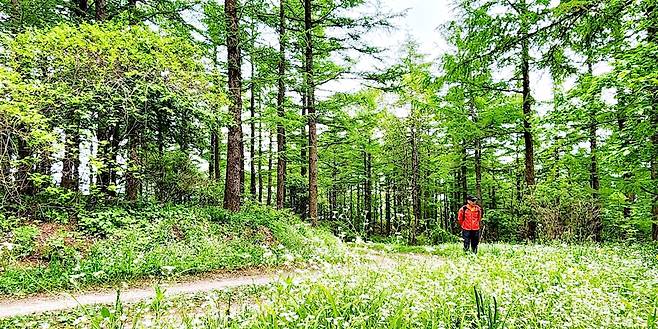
(470, 219)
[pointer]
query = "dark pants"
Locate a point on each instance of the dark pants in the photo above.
(471, 238)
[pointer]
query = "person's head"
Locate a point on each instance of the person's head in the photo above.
(471, 200)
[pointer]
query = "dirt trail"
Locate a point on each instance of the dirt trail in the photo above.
(66, 301)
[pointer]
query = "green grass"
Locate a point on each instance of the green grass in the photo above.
(505, 286)
(168, 242)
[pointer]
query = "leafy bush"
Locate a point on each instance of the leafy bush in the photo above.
(61, 249)
(171, 241)
(439, 235)
(8, 222)
(176, 177)
(502, 226)
(103, 222)
(24, 238)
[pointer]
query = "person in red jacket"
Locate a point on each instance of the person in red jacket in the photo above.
(469, 217)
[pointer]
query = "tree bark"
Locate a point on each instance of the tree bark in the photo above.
(232, 188)
(23, 182)
(252, 146)
(101, 13)
(211, 158)
(6, 153)
(368, 192)
(269, 172)
(415, 185)
(281, 131)
(71, 161)
(260, 159)
(304, 136)
(133, 183)
(463, 177)
(388, 208)
(312, 132)
(16, 15)
(596, 225)
(652, 34)
(527, 103)
(478, 158)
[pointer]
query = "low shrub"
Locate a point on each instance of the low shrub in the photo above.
(168, 241)
(25, 240)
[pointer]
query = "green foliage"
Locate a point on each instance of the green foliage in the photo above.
(25, 239)
(104, 222)
(8, 222)
(438, 235)
(166, 241)
(503, 225)
(176, 176)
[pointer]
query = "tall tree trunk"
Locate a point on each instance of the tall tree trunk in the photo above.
(252, 146)
(312, 132)
(233, 153)
(334, 189)
(218, 155)
(211, 159)
(388, 208)
(23, 182)
(463, 177)
(83, 7)
(527, 103)
(16, 15)
(654, 168)
(242, 171)
(260, 159)
(104, 177)
(415, 185)
(628, 172)
(108, 138)
(517, 175)
(71, 161)
(113, 159)
(351, 203)
(101, 10)
(595, 225)
(269, 171)
(478, 157)
(304, 136)
(281, 131)
(368, 192)
(133, 183)
(652, 36)
(6, 153)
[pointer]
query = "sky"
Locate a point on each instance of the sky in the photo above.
(421, 24)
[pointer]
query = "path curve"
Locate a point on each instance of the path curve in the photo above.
(65, 301)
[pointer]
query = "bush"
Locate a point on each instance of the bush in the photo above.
(25, 238)
(439, 235)
(170, 240)
(8, 222)
(502, 226)
(104, 222)
(176, 177)
(60, 248)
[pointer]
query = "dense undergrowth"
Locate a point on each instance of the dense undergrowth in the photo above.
(505, 286)
(119, 245)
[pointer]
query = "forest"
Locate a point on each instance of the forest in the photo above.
(151, 140)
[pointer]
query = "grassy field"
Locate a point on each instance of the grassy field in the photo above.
(113, 246)
(505, 286)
